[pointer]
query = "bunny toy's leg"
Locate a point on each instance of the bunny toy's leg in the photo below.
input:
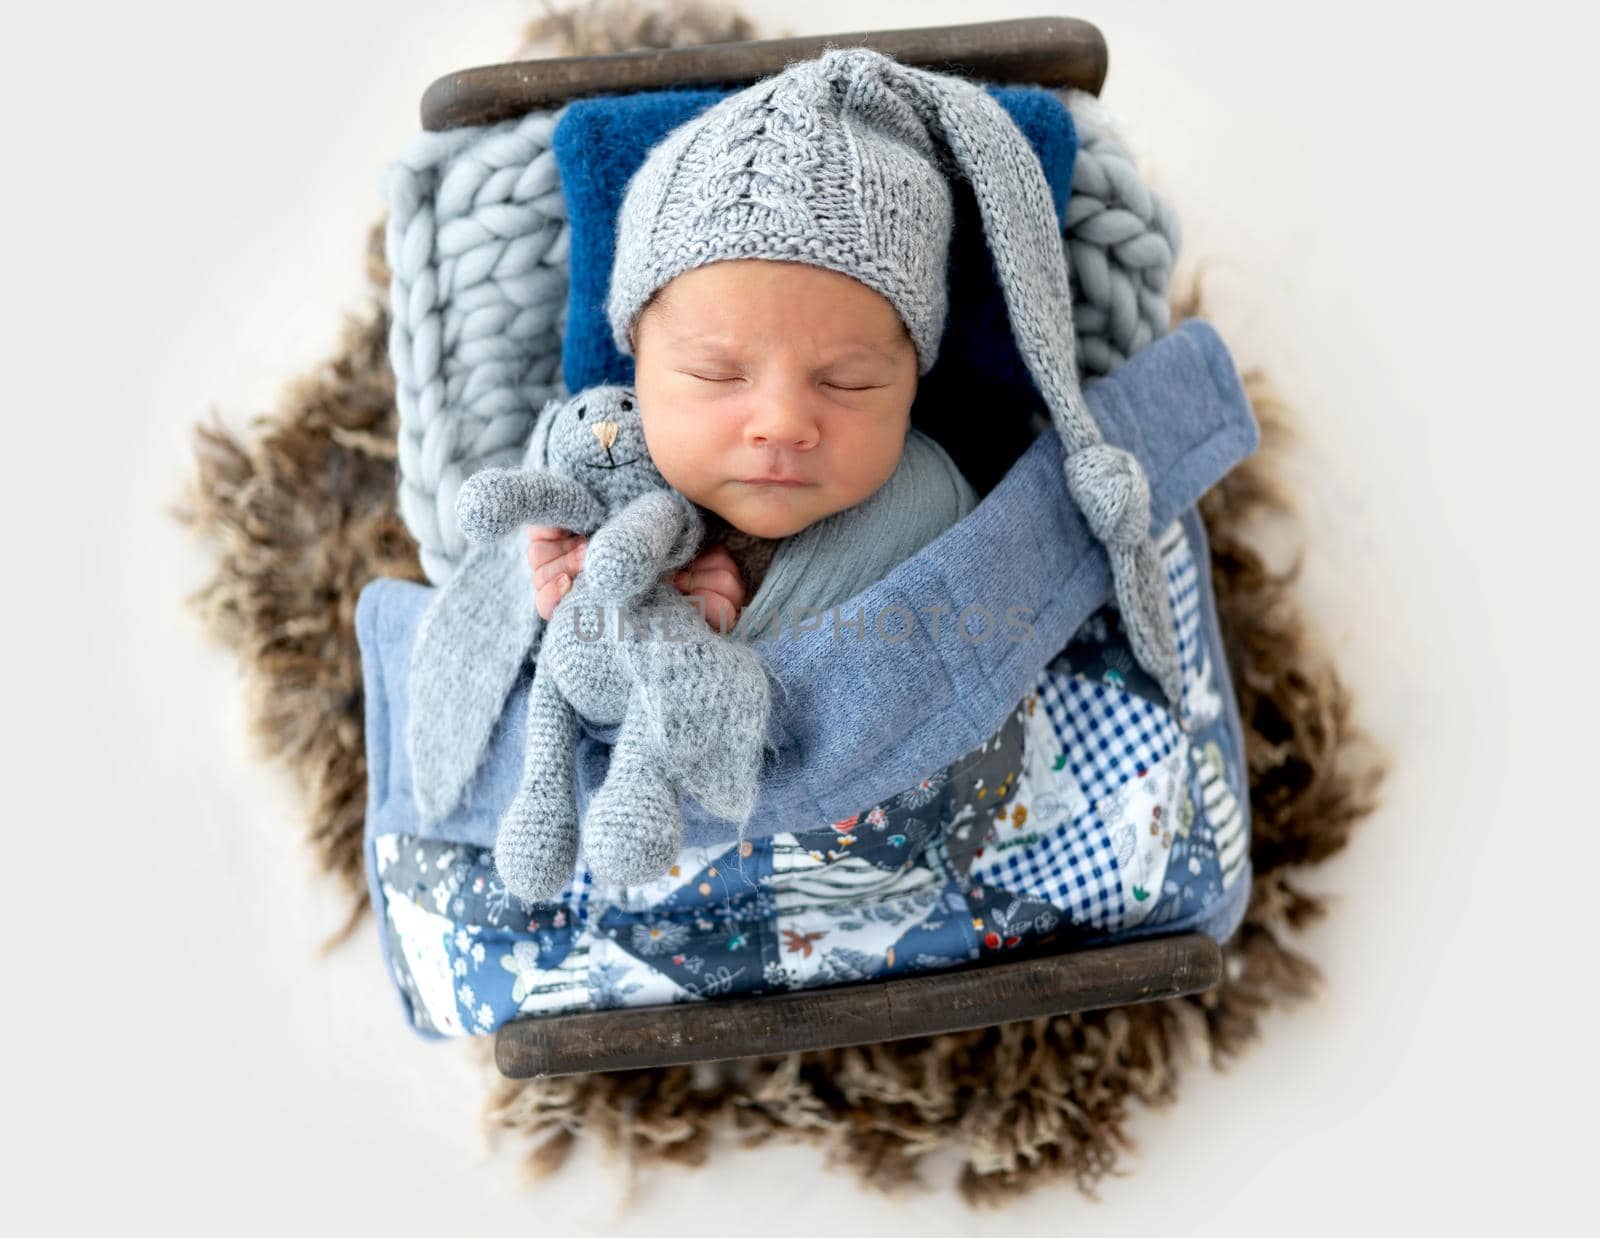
(537, 845)
(633, 830)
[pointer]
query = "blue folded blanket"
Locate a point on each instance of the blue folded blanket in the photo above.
(600, 142)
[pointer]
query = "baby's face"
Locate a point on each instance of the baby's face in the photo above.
(750, 368)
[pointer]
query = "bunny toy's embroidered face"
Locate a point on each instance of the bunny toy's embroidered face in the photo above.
(597, 439)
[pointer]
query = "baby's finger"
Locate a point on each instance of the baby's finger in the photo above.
(715, 556)
(720, 613)
(549, 539)
(544, 573)
(721, 580)
(570, 562)
(550, 594)
(543, 549)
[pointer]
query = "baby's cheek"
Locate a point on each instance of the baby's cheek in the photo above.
(690, 483)
(677, 453)
(866, 472)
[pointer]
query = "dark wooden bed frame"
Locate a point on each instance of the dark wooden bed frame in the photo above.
(1054, 52)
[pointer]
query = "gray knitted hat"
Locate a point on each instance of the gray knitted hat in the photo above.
(843, 162)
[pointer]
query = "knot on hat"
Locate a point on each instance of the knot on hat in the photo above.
(1110, 488)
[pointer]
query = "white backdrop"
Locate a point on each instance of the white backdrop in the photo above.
(1396, 205)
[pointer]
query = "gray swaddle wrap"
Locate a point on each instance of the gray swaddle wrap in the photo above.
(837, 557)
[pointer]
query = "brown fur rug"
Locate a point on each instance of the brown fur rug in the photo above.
(300, 510)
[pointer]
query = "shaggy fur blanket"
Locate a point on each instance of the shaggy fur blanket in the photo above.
(300, 511)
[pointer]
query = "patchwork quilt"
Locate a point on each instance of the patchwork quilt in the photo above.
(1089, 816)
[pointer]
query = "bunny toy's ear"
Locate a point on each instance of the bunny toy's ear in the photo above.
(462, 670)
(536, 455)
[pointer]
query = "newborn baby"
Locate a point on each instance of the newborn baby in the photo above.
(772, 394)
(780, 279)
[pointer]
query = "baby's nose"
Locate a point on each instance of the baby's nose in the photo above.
(800, 438)
(782, 428)
(606, 432)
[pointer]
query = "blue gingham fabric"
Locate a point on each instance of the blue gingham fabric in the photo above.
(1109, 734)
(1074, 869)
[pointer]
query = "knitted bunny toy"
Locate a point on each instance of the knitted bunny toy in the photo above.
(623, 646)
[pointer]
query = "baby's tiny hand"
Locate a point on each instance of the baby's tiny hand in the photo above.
(555, 555)
(714, 578)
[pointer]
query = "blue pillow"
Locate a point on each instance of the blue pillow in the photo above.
(601, 141)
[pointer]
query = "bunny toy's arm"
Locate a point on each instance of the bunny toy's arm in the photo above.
(656, 531)
(494, 501)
